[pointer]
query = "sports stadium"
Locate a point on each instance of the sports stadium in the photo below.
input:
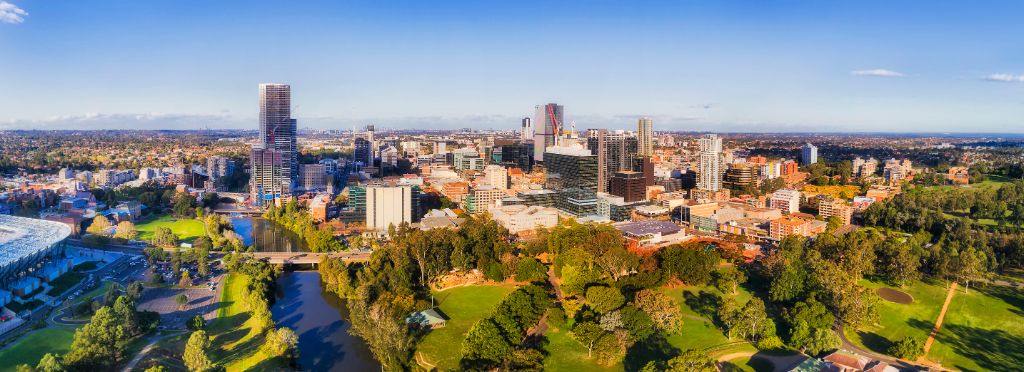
(30, 254)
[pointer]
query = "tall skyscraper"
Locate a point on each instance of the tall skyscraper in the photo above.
(277, 128)
(645, 136)
(549, 127)
(615, 152)
(275, 159)
(710, 162)
(526, 133)
(810, 154)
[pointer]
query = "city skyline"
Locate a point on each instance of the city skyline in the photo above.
(727, 67)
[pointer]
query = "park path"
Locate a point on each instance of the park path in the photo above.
(138, 357)
(938, 322)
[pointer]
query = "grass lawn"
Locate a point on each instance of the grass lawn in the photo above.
(61, 284)
(565, 354)
(983, 330)
(699, 332)
(748, 364)
(187, 230)
(464, 306)
(31, 348)
(897, 321)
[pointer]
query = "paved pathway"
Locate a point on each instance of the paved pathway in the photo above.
(938, 322)
(146, 349)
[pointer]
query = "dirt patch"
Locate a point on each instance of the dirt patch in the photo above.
(896, 296)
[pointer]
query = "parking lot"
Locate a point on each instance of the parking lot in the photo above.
(201, 300)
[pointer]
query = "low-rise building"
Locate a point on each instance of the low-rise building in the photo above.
(518, 218)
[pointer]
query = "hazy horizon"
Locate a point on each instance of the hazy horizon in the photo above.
(784, 67)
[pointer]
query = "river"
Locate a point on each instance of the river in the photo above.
(268, 236)
(320, 319)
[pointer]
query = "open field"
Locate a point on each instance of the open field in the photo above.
(897, 321)
(983, 330)
(464, 306)
(31, 348)
(565, 354)
(187, 230)
(698, 306)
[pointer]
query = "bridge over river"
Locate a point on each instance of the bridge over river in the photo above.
(299, 258)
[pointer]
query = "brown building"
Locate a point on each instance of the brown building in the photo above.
(629, 185)
(829, 207)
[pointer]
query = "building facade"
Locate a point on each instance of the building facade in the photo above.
(710, 172)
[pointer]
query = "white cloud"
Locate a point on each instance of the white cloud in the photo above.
(94, 120)
(1004, 78)
(10, 13)
(878, 72)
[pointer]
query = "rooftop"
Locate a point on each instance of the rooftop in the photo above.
(651, 227)
(21, 237)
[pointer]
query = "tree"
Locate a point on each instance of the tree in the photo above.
(202, 262)
(969, 265)
(604, 299)
(156, 368)
(587, 334)
(186, 280)
(181, 300)
(382, 326)
(484, 345)
(197, 323)
(98, 344)
(196, 356)
(692, 361)
(282, 342)
(662, 309)
(727, 280)
(50, 363)
(530, 269)
(822, 339)
(908, 348)
(163, 236)
(691, 264)
(134, 291)
(126, 230)
(637, 322)
(752, 321)
(125, 311)
(100, 226)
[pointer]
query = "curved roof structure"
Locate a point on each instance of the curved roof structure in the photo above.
(22, 238)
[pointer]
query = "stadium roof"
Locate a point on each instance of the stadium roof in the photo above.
(21, 237)
(649, 227)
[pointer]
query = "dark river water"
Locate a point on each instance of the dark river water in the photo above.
(268, 236)
(320, 319)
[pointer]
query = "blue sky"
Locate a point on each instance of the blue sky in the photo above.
(899, 66)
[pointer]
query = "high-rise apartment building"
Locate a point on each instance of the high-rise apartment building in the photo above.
(271, 176)
(615, 152)
(710, 167)
(218, 166)
(277, 128)
(549, 127)
(645, 136)
(275, 158)
(809, 154)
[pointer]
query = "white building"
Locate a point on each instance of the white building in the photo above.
(809, 154)
(517, 218)
(496, 176)
(786, 200)
(710, 177)
(386, 206)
